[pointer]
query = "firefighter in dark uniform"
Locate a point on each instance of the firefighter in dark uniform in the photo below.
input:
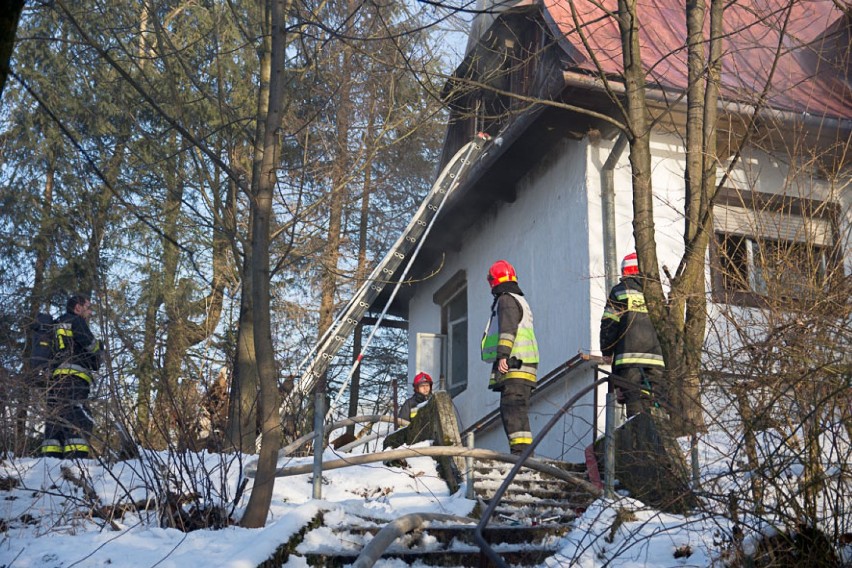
(509, 344)
(422, 393)
(628, 337)
(68, 425)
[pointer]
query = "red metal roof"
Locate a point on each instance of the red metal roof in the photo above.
(812, 74)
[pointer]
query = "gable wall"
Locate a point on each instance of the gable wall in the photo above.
(544, 234)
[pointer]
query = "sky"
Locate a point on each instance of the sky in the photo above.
(46, 524)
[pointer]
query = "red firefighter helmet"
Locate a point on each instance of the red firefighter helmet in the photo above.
(501, 271)
(630, 265)
(421, 378)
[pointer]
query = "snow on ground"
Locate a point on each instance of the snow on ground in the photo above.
(45, 526)
(45, 520)
(649, 538)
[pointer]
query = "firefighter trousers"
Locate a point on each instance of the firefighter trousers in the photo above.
(68, 423)
(515, 412)
(643, 388)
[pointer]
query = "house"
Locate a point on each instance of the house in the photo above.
(553, 194)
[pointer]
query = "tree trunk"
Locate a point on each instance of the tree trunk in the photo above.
(750, 440)
(172, 412)
(681, 318)
(355, 387)
(271, 433)
(245, 385)
(243, 405)
(362, 270)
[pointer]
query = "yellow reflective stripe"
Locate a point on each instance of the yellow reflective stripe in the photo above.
(520, 438)
(518, 374)
(644, 361)
(50, 446)
(412, 412)
(75, 448)
(611, 315)
(505, 343)
(623, 294)
(61, 334)
(77, 373)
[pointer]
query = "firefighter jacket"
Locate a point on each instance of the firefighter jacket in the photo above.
(510, 335)
(78, 352)
(627, 333)
(408, 410)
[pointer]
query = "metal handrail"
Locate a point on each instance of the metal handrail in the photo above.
(554, 377)
(484, 546)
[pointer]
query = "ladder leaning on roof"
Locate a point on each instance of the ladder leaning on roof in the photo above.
(406, 247)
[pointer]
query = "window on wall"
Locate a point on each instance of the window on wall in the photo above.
(452, 299)
(455, 313)
(771, 249)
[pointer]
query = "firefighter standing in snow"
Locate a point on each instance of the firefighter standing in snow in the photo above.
(422, 393)
(629, 338)
(68, 425)
(509, 344)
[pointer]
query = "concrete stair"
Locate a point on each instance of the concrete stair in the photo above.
(525, 529)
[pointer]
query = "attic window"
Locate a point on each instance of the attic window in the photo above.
(771, 250)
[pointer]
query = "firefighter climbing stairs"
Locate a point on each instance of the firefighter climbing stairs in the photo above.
(533, 516)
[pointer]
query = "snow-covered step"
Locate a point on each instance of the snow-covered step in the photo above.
(502, 468)
(459, 555)
(533, 515)
(503, 533)
(537, 492)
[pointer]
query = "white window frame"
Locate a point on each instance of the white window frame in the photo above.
(456, 384)
(431, 357)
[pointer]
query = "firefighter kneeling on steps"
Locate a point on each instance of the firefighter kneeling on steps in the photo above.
(68, 424)
(628, 337)
(509, 344)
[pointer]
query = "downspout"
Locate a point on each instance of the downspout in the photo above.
(608, 211)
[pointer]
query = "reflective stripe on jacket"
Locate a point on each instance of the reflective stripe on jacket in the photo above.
(72, 369)
(78, 352)
(521, 344)
(627, 333)
(515, 342)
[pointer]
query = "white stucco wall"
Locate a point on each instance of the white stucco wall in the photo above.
(553, 235)
(544, 234)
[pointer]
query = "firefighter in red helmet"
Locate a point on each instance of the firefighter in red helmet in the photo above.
(422, 393)
(629, 338)
(509, 344)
